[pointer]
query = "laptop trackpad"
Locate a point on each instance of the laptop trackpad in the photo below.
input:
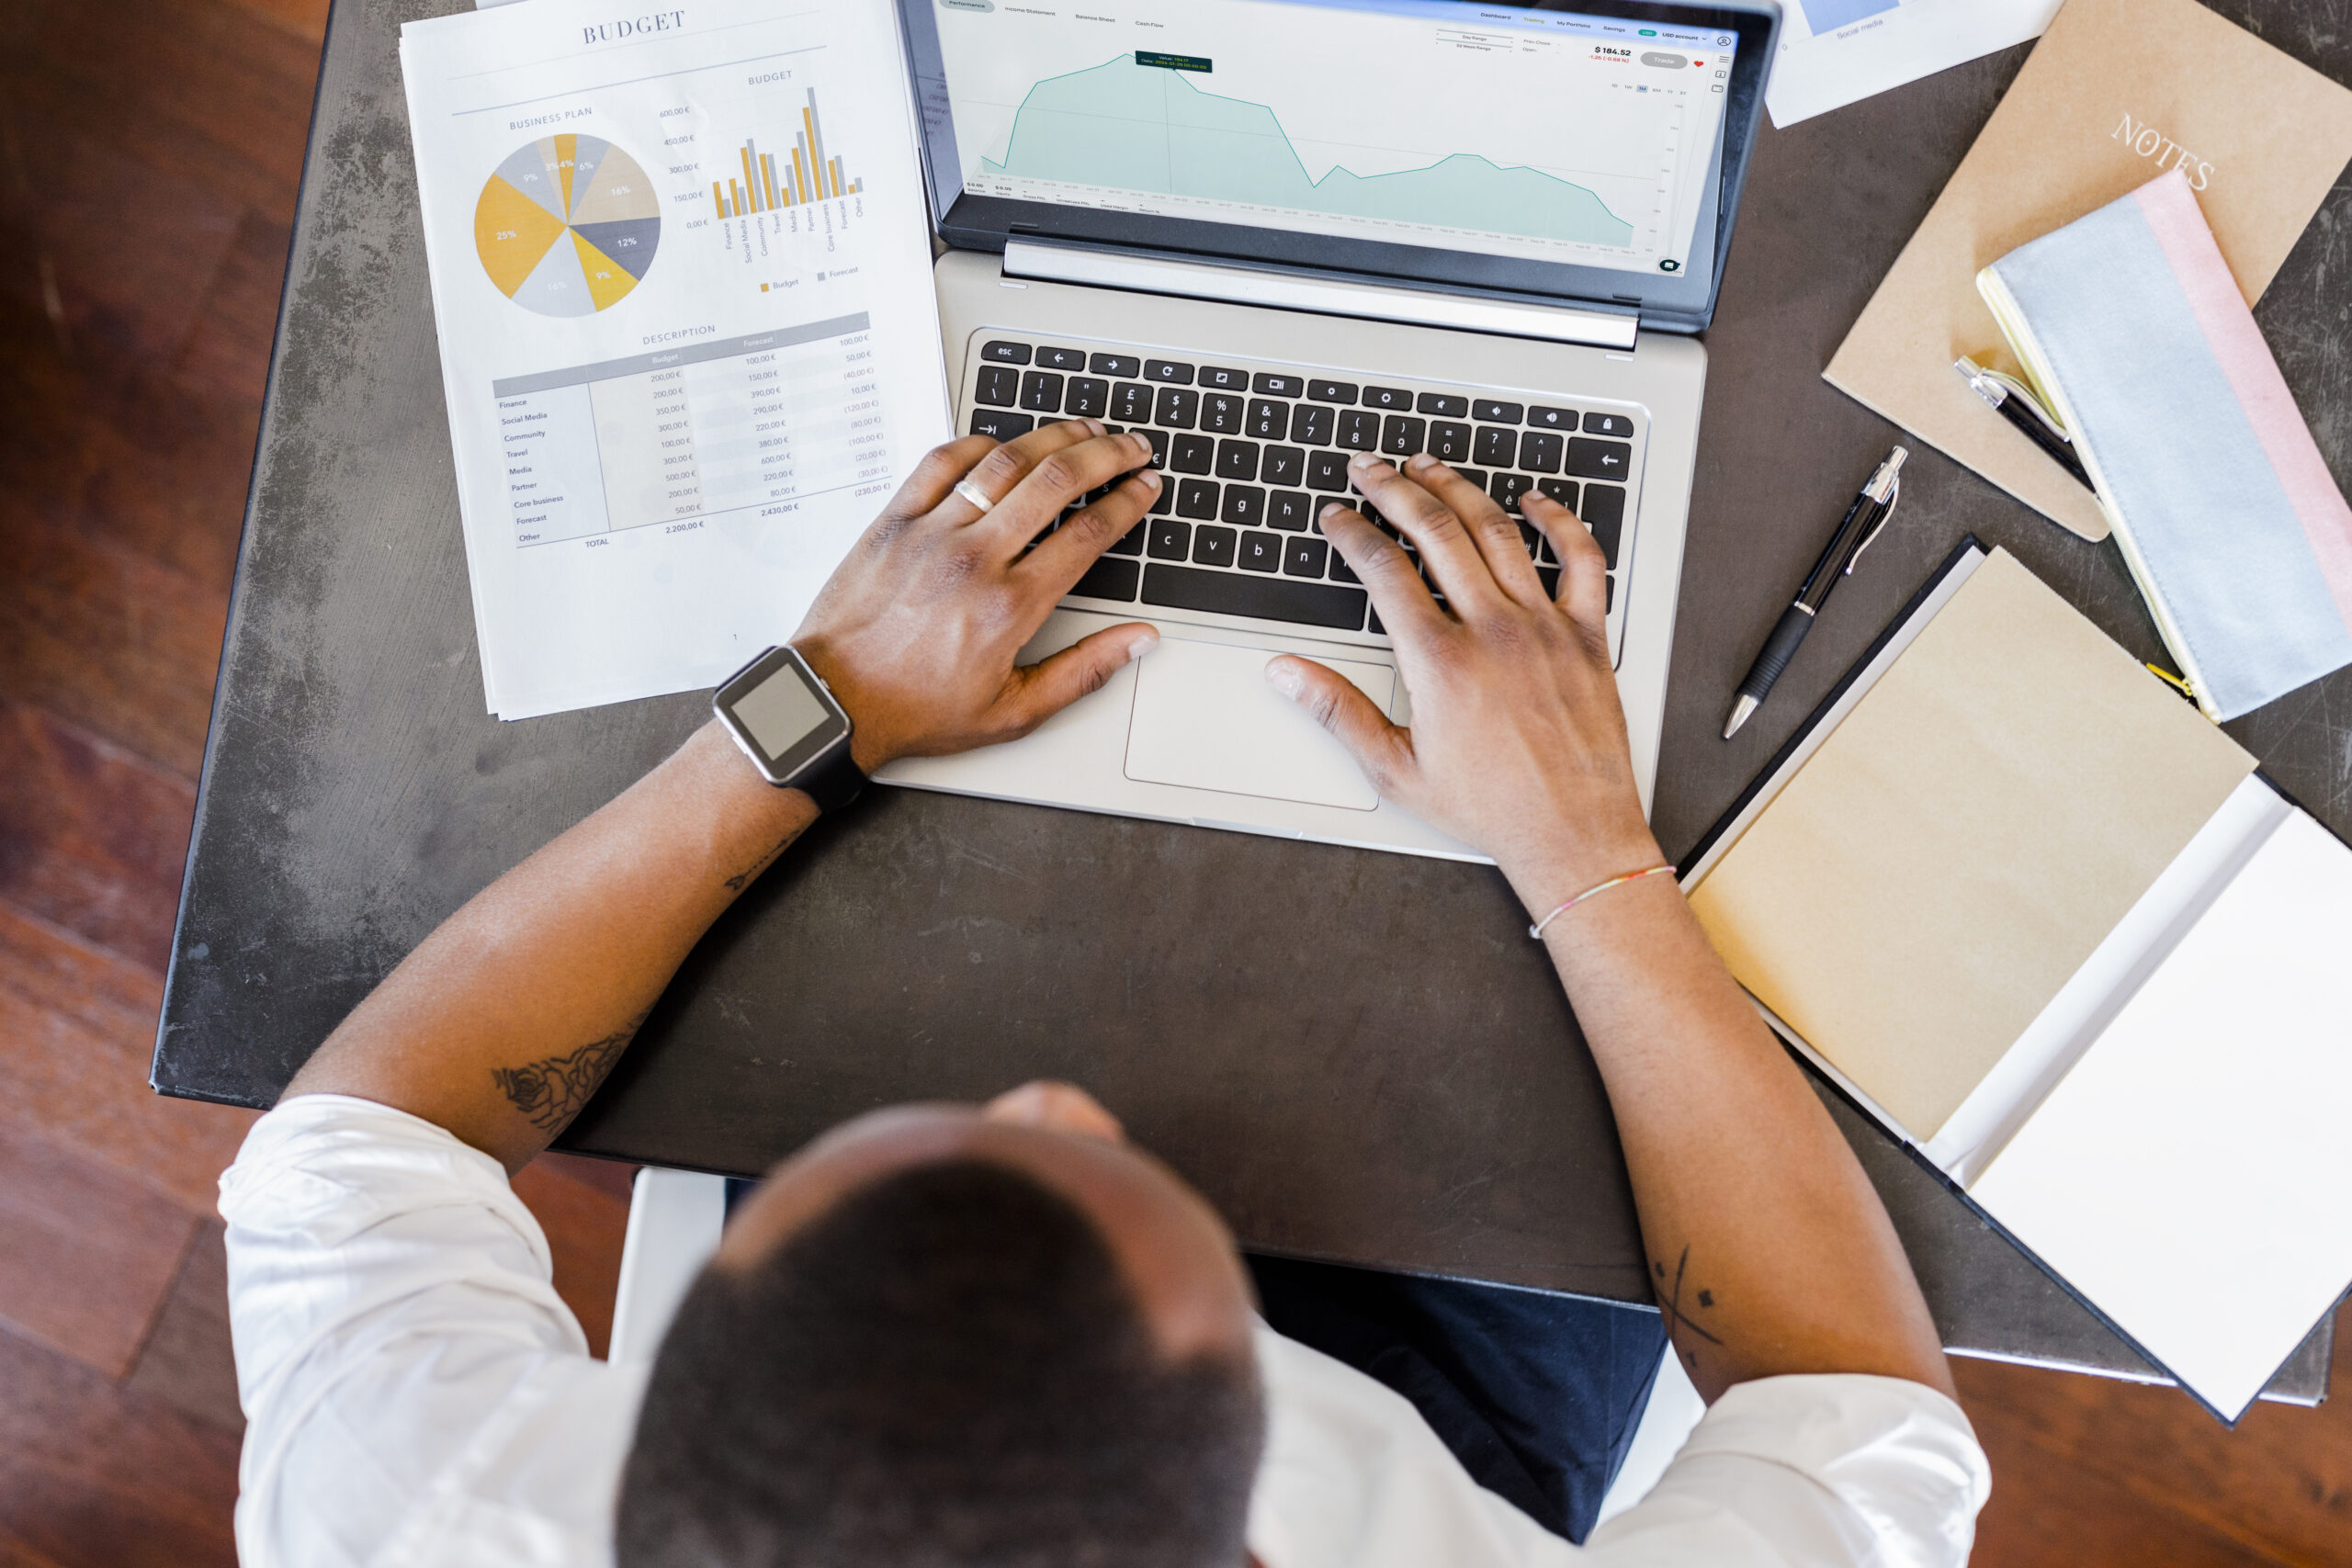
(1206, 718)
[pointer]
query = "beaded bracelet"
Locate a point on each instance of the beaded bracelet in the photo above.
(1536, 931)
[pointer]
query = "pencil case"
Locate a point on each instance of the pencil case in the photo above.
(2133, 335)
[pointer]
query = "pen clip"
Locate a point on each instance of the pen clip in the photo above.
(1878, 524)
(1997, 389)
(1980, 382)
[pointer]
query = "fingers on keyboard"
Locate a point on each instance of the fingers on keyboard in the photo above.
(1250, 457)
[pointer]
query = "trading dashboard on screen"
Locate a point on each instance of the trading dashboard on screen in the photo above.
(1548, 136)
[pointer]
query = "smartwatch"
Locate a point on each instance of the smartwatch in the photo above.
(786, 718)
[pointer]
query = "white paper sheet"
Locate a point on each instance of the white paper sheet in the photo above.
(673, 408)
(1834, 53)
(2078, 1016)
(2189, 1175)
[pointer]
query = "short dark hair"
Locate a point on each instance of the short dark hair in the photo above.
(946, 1368)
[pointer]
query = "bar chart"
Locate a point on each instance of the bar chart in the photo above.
(772, 182)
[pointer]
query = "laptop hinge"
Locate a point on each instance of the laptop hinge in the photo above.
(1329, 296)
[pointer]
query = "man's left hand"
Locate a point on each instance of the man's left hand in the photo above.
(918, 630)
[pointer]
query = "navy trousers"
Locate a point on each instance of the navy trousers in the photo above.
(1538, 1395)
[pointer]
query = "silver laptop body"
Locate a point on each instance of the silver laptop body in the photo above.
(1096, 270)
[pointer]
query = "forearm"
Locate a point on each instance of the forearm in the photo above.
(510, 1015)
(1769, 1249)
(503, 1021)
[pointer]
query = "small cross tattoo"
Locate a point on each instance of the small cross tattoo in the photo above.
(1674, 1316)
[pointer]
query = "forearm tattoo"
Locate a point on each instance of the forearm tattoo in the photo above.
(551, 1090)
(742, 879)
(1671, 1302)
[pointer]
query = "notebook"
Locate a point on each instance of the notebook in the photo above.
(2051, 928)
(2133, 334)
(2116, 93)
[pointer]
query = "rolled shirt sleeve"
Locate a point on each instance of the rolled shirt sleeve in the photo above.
(414, 1389)
(1813, 1469)
(1817, 1471)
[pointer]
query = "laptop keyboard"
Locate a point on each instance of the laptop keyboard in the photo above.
(1252, 452)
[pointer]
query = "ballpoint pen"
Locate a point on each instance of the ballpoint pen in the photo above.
(1860, 525)
(2020, 407)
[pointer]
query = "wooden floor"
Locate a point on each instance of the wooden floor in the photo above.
(149, 158)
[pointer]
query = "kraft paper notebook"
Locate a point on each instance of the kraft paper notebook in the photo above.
(2116, 93)
(2046, 923)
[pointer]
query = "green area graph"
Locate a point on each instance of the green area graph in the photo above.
(1122, 126)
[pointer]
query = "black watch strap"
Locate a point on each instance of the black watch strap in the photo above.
(833, 781)
(779, 710)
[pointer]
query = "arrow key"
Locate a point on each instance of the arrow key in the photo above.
(1600, 460)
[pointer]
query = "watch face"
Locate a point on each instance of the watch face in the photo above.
(781, 713)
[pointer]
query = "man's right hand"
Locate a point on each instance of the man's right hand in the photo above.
(1517, 742)
(918, 629)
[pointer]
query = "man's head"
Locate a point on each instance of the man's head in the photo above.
(997, 1338)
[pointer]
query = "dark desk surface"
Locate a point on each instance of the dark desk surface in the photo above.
(1357, 1056)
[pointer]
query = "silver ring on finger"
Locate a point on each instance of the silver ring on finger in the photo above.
(975, 495)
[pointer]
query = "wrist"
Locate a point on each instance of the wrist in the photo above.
(790, 725)
(869, 746)
(721, 765)
(748, 821)
(1546, 876)
(866, 750)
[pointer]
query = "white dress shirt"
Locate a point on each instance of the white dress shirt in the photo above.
(417, 1393)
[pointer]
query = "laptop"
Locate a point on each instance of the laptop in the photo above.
(1270, 233)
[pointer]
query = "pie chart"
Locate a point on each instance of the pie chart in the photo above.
(568, 225)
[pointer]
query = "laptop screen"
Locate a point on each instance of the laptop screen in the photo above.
(1568, 150)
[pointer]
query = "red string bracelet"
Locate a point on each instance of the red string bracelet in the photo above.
(1536, 931)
